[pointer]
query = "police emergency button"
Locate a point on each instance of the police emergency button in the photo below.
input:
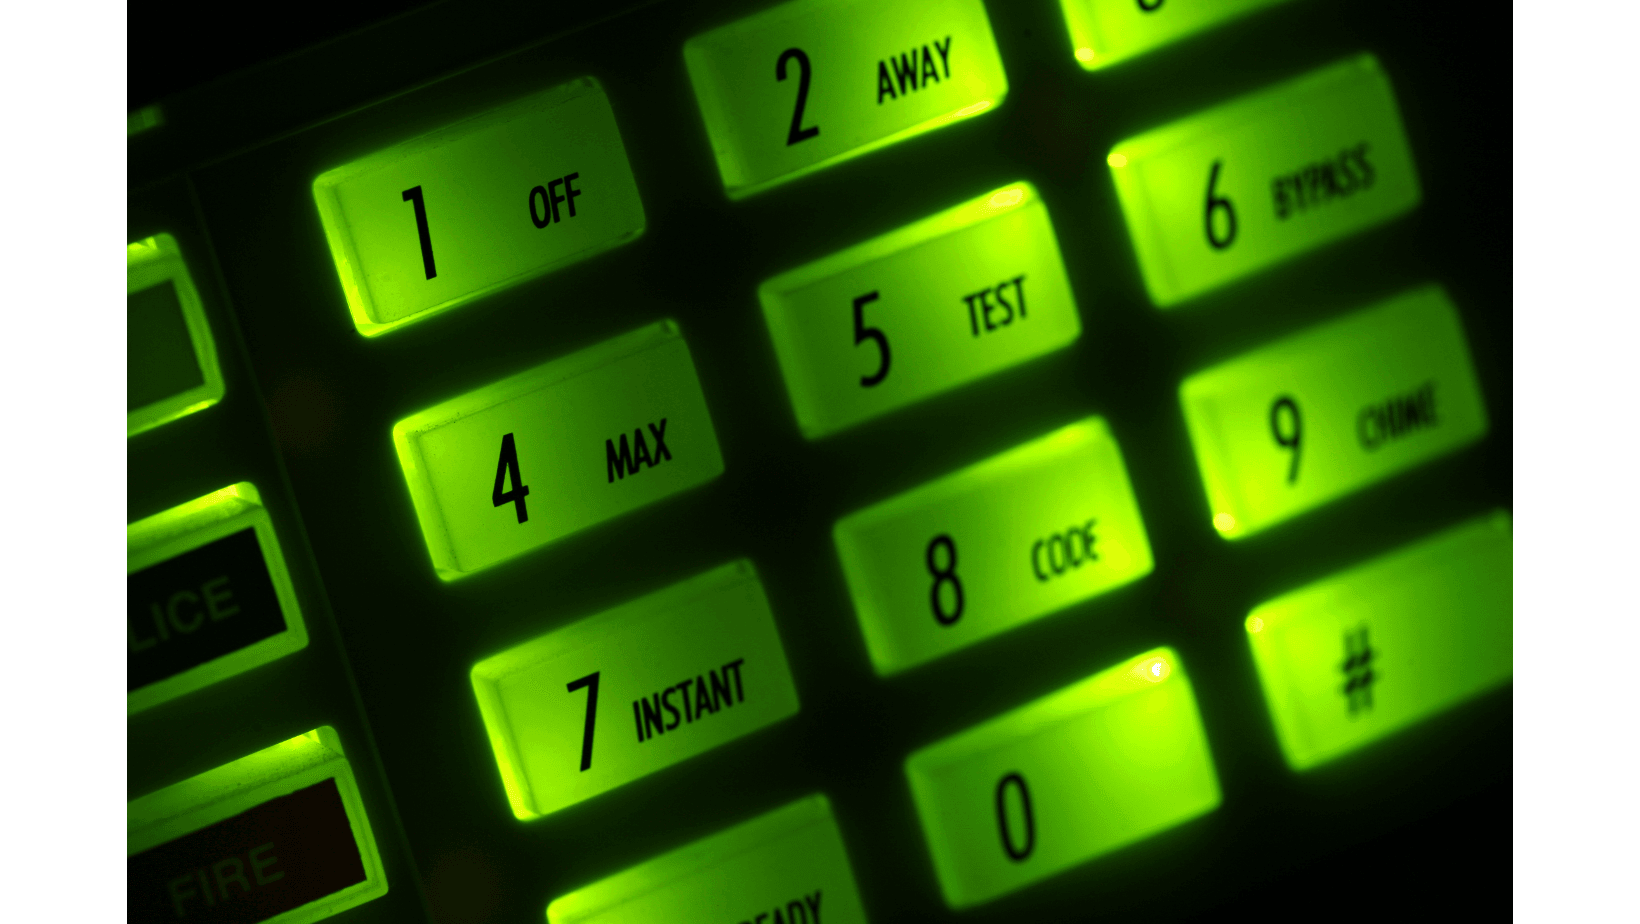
(207, 596)
(280, 835)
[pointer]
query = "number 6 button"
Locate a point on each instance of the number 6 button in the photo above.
(556, 449)
(995, 545)
(442, 219)
(815, 82)
(1245, 185)
(620, 695)
(1104, 762)
(1295, 424)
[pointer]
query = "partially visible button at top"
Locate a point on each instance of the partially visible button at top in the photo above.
(1104, 32)
(439, 220)
(811, 83)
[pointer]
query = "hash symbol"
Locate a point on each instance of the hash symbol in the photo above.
(1358, 669)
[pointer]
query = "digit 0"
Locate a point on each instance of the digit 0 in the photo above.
(944, 575)
(1015, 853)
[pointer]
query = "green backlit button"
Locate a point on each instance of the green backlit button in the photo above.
(1224, 193)
(788, 865)
(1358, 655)
(946, 300)
(1104, 762)
(812, 83)
(992, 546)
(1104, 32)
(279, 836)
(442, 219)
(546, 453)
(207, 596)
(171, 365)
(1310, 418)
(620, 695)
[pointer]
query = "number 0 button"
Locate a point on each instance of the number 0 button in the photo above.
(551, 451)
(604, 701)
(1104, 762)
(442, 219)
(1245, 185)
(814, 82)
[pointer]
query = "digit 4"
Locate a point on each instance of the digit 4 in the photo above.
(507, 467)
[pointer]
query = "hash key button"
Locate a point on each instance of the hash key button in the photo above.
(553, 450)
(278, 836)
(207, 596)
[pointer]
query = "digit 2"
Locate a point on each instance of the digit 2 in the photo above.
(798, 132)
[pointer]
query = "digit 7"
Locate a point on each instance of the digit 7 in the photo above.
(590, 681)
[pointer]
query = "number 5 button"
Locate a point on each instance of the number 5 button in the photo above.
(604, 701)
(1104, 762)
(814, 82)
(442, 219)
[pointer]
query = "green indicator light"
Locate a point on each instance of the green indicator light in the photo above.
(812, 83)
(171, 365)
(207, 596)
(549, 452)
(440, 220)
(1104, 32)
(1356, 656)
(946, 300)
(993, 546)
(1240, 187)
(788, 865)
(633, 690)
(1311, 418)
(1105, 762)
(280, 835)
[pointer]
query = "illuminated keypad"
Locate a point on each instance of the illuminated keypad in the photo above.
(788, 865)
(439, 220)
(1358, 655)
(811, 83)
(993, 546)
(554, 450)
(1303, 421)
(207, 596)
(1230, 191)
(946, 300)
(278, 835)
(171, 364)
(1105, 32)
(604, 701)
(1078, 773)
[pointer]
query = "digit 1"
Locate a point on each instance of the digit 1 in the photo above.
(590, 681)
(1215, 201)
(413, 194)
(507, 466)
(798, 132)
(944, 575)
(1292, 440)
(1015, 854)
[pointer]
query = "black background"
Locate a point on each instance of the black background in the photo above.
(1419, 823)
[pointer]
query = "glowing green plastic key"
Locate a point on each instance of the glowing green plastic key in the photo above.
(1243, 186)
(171, 365)
(946, 300)
(207, 596)
(1363, 653)
(620, 695)
(1318, 415)
(1104, 32)
(279, 837)
(440, 220)
(993, 546)
(1102, 763)
(811, 83)
(788, 865)
(551, 451)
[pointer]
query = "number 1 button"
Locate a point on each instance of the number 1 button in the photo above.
(812, 83)
(439, 220)
(620, 695)
(551, 451)
(1104, 762)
